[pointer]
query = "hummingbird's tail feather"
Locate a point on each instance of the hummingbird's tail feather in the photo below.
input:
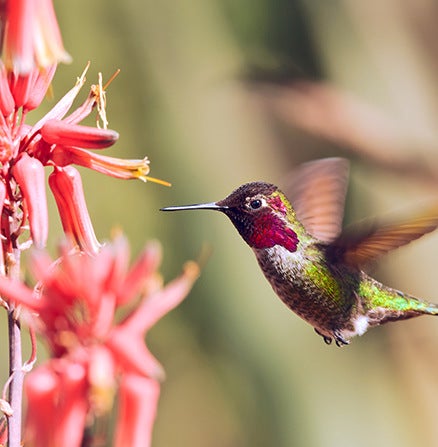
(431, 309)
(409, 303)
(381, 315)
(382, 304)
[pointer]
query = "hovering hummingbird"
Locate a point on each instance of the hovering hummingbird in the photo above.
(314, 266)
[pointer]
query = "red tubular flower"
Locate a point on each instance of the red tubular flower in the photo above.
(114, 167)
(29, 174)
(18, 47)
(60, 132)
(7, 103)
(57, 405)
(32, 37)
(41, 391)
(71, 404)
(137, 409)
(66, 185)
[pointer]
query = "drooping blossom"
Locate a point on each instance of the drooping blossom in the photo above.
(75, 300)
(32, 48)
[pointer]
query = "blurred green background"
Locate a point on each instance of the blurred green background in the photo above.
(212, 92)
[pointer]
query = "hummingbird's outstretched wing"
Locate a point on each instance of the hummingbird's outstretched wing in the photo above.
(317, 192)
(361, 243)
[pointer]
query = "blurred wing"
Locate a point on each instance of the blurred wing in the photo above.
(317, 192)
(361, 244)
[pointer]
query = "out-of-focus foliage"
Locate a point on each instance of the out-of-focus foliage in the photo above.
(208, 90)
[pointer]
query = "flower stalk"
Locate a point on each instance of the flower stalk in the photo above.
(15, 358)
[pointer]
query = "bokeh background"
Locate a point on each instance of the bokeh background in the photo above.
(220, 92)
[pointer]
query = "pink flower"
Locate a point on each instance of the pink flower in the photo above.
(76, 299)
(32, 48)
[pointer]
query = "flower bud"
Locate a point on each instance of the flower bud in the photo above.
(29, 174)
(66, 185)
(60, 132)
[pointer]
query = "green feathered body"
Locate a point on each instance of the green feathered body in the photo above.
(337, 300)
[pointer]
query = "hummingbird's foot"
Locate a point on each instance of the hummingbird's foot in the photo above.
(340, 340)
(327, 340)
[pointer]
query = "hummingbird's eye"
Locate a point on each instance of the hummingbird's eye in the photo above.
(255, 204)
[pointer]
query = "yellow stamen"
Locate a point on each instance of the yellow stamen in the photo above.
(155, 180)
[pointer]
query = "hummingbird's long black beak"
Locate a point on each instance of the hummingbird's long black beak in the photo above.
(200, 206)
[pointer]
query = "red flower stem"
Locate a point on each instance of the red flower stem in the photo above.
(15, 358)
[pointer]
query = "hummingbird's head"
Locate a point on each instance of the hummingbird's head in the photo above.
(260, 212)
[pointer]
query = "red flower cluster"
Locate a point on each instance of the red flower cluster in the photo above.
(76, 299)
(93, 353)
(32, 48)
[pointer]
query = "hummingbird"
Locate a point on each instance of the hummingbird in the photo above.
(314, 266)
